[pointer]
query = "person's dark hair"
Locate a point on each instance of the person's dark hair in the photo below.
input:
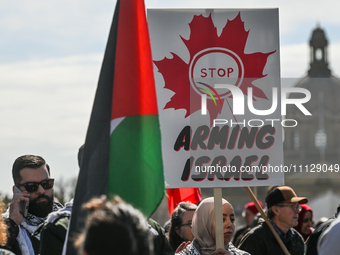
(114, 228)
(270, 213)
(176, 221)
(30, 161)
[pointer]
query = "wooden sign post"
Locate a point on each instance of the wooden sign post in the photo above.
(218, 218)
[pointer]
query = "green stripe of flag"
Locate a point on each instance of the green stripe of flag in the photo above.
(135, 164)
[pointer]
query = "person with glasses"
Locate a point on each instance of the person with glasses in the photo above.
(283, 212)
(180, 227)
(32, 184)
(306, 221)
(203, 229)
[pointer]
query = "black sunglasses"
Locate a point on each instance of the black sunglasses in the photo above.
(33, 186)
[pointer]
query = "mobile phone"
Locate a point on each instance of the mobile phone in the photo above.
(23, 207)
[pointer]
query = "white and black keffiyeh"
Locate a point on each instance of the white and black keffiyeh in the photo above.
(27, 227)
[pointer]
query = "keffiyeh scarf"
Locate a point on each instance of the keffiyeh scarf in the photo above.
(27, 227)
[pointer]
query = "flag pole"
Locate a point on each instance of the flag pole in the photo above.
(255, 191)
(218, 218)
(264, 216)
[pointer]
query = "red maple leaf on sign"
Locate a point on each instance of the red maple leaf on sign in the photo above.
(176, 72)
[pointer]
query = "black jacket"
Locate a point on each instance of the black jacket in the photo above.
(261, 241)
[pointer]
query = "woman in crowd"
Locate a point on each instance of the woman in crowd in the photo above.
(181, 219)
(305, 221)
(203, 229)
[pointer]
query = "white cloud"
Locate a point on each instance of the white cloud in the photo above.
(45, 109)
(334, 58)
(294, 60)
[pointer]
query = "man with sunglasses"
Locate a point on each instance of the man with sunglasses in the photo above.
(283, 212)
(33, 184)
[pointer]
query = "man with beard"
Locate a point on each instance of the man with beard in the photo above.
(31, 176)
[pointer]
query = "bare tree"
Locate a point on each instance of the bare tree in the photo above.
(65, 190)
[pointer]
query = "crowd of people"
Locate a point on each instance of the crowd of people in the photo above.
(35, 223)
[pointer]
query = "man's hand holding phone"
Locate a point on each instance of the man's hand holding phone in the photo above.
(19, 205)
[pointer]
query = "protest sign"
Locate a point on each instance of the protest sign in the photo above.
(217, 78)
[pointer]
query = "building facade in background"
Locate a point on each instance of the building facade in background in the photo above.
(316, 140)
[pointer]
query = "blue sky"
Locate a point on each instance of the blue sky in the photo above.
(50, 58)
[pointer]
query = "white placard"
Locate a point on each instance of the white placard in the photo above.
(217, 77)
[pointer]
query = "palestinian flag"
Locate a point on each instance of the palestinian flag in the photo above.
(122, 153)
